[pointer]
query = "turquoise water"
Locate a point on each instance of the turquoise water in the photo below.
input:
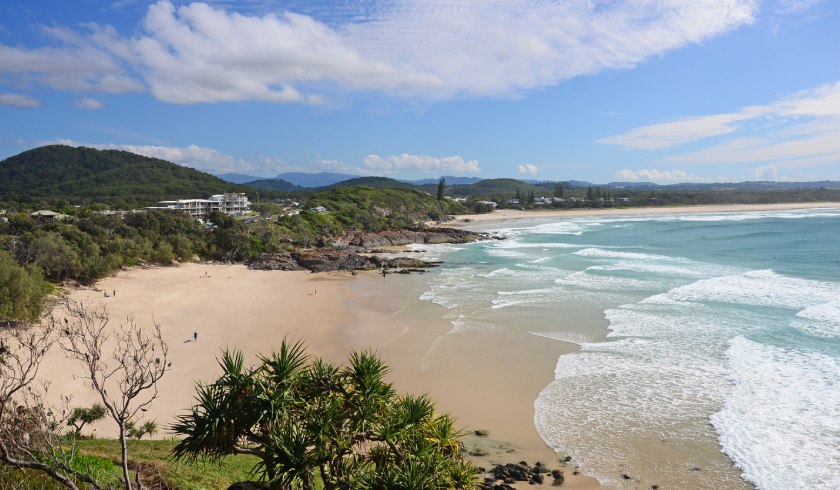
(720, 362)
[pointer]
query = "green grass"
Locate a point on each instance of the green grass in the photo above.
(101, 458)
(180, 475)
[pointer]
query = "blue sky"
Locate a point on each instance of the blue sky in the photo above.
(637, 90)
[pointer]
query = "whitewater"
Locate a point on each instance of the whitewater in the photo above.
(709, 343)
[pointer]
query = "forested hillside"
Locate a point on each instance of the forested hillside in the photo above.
(59, 172)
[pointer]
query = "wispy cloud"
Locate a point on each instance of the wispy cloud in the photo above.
(198, 53)
(800, 130)
(528, 168)
(19, 100)
(424, 163)
(654, 175)
(89, 103)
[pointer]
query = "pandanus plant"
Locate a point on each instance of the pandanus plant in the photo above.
(307, 419)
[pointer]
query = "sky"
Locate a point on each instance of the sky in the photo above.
(599, 90)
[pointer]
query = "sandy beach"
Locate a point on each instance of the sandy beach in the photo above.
(487, 382)
(230, 306)
(502, 215)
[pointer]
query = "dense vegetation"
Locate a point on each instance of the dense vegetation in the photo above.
(57, 172)
(94, 245)
(304, 417)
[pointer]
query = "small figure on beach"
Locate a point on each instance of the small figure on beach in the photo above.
(316, 289)
(195, 336)
(115, 292)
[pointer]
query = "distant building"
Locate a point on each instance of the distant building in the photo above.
(492, 204)
(623, 199)
(235, 203)
(47, 216)
(512, 201)
(319, 209)
(116, 215)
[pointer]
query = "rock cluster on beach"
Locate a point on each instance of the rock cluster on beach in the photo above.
(502, 476)
(353, 252)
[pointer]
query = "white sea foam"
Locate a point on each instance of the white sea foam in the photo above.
(821, 320)
(781, 422)
(570, 337)
(615, 254)
(761, 288)
(614, 284)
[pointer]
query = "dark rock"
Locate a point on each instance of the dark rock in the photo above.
(247, 485)
(391, 238)
(625, 476)
(537, 479)
(281, 261)
(557, 473)
(481, 432)
(567, 459)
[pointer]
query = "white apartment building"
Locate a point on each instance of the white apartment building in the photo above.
(235, 203)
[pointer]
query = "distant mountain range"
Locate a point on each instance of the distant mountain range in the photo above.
(62, 172)
(235, 178)
(324, 179)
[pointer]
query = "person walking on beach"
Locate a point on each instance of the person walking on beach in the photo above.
(195, 336)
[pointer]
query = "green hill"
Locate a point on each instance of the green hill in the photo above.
(493, 187)
(274, 185)
(375, 182)
(59, 172)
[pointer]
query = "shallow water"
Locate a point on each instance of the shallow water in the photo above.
(721, 362)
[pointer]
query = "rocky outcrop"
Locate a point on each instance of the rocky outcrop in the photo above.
(346, 252)
(324, 260)
(392, 238)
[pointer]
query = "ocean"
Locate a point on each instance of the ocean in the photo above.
(709, 343)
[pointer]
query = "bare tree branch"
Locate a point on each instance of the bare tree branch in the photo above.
(126, 380)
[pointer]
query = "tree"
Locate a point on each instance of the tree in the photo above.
(81, 416)
(558, 190)
(303, 417)
(29, 436)
(23, 291)
(440, 188)
(126, 381)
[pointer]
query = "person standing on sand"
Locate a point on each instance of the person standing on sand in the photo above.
(195, 336)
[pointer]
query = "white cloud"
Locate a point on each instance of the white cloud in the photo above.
(429, 164)
(654, 175)
(528, 168)
(198, 53)
(19, 100)
(768, 172)
(800, 130)
(89, 103)
(665, 135)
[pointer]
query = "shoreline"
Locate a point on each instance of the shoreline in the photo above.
(231, 306)
(505, 215)
(335, 313)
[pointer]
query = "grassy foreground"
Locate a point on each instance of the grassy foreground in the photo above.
(159, 470)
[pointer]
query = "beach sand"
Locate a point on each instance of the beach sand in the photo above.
(488, 383)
